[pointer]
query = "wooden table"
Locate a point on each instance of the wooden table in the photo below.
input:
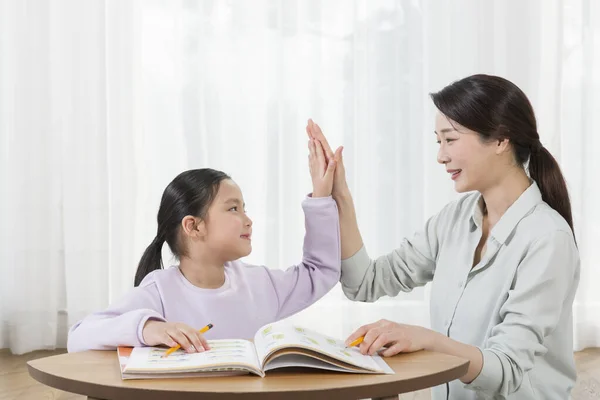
(96, 374)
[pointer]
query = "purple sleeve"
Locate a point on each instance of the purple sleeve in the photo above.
(119, 325)
(302, 285)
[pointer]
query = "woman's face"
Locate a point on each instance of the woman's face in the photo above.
(469, 161)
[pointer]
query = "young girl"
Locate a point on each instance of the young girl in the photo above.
(203, 220)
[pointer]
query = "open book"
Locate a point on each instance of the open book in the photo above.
(276, 345)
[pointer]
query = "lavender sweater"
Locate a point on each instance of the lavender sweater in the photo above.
(251, 296)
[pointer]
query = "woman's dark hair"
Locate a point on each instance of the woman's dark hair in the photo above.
(497, 109)
(190, 193)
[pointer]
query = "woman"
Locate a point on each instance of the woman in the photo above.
(502, 260)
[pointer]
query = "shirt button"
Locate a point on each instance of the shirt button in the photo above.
(461, 283)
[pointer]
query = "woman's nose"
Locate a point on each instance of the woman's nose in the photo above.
(442, 156)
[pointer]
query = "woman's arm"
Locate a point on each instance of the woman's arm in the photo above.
(350, 234)
(402, 338)
(365, 279)
(543, 290)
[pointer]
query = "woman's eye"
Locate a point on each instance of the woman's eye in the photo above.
(234, 208)
(446, 140)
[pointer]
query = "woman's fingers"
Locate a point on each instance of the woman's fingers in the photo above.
(338, 154)
(382, 339)
(358, 333)
(398, 347)
(370, 337)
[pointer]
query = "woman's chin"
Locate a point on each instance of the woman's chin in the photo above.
(462, 187)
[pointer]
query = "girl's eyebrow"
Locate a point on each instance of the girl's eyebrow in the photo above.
(236, 201)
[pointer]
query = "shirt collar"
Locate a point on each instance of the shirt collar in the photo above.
(511, 217)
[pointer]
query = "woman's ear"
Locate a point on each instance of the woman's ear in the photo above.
(193, 227)
(502, 146)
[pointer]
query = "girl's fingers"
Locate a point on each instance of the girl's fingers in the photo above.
(322, 163)
(308, 132)
(318, 134)
(180, 338)
(329, 173)
(312, 157)
(203, 341)
(168, 340)
(193, 336)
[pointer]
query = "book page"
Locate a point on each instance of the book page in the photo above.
(224, 353)
(280, 335)
(295, 360)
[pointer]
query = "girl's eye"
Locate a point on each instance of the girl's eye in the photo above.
(234, 208)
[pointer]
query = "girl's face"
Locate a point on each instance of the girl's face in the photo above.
(470, 163)
(228, 228)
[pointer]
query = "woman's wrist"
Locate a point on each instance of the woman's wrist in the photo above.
(431, 339)
(435, 341)
(343, 196)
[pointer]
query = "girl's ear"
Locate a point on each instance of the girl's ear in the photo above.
(193, 227)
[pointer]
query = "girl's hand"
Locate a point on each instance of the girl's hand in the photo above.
(172, 334)
(396, 337)
(321, 172)
(340, 186)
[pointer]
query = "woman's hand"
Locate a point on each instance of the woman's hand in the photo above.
(171, 334)
(398, 338)
(321, 172)
(340, 186)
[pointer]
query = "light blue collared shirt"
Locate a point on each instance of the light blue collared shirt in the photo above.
(515, 304)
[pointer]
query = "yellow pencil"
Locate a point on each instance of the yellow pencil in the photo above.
(172, 349)
(357, 341)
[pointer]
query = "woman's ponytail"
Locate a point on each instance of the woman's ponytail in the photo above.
(545, 171)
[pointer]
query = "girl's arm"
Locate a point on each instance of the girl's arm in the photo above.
(121, 324)
(302, 285)
(366, 279)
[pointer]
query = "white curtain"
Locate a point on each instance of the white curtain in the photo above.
(103, 102)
